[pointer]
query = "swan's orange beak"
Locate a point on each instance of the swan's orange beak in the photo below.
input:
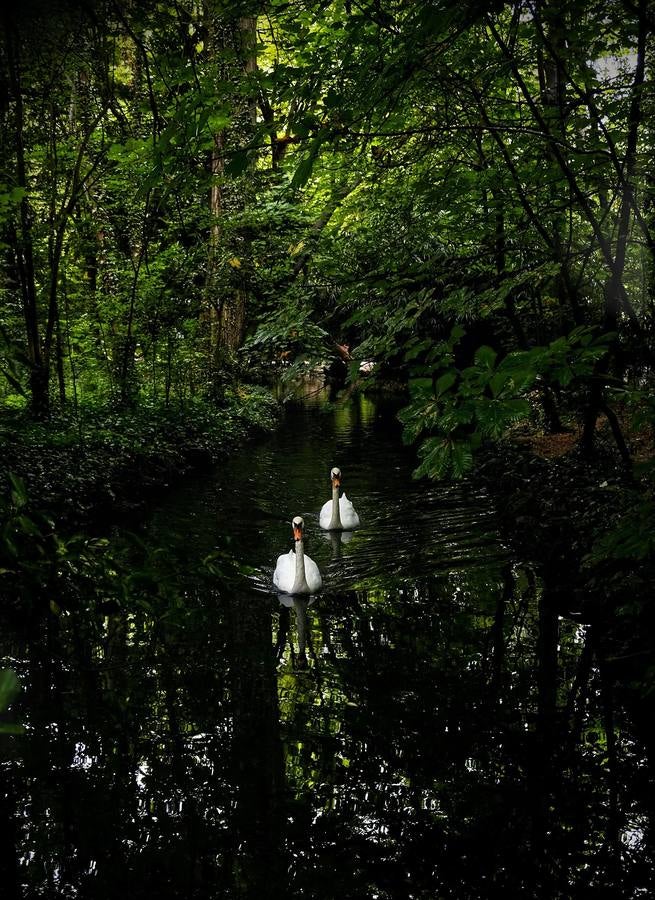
(336, 481)
(297, 533)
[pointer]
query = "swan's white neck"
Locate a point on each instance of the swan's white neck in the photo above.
(335, 521)
(300, 585)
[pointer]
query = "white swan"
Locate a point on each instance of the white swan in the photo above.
(296, 573)
(338, 513)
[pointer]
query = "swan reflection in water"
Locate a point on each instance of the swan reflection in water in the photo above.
(300, 606)
(336, 539)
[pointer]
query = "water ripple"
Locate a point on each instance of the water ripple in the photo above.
(410, 528)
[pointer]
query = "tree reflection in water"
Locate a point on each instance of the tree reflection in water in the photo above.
(446, 737)
(422, 729)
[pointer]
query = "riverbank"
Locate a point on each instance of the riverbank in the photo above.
(590, 529)
(105, 463)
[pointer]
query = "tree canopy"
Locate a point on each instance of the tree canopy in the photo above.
(459, 193)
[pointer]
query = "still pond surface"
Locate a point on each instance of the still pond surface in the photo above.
(426, 727)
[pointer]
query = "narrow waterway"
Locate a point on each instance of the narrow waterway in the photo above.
(424, 727)
(409, 529)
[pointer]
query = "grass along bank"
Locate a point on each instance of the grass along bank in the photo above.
(105, 461)
(65, 481)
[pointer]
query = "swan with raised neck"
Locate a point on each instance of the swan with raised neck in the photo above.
(335, 520)
(338, 514)
(296, 573)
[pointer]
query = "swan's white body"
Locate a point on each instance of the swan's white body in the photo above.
(338, 513)
(348, 518)
(296, 573)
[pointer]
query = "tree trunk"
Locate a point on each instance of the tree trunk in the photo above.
(8, 848)
(615, 296)
(223, 312)
(233, 306)
(542, 776)
(553, 96)
(22, 240)
(257, 822)
(59, 349)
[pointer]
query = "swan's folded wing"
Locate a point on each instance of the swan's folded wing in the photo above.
(312, 575)
(349, 517)
(285, 569)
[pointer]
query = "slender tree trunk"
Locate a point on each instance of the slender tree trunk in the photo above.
(126, 365)
(257, 821)
(498, 633)
(212, 306)
(71, 359)
(614, 290)
(59, 349)
(233, 306)
(553, 96)
(22, 239)
(169, 370)
(547, 661)
(613, 830)
(577, 191)
(575, 705)
(543, 768)
(8, 849)
(223, 311)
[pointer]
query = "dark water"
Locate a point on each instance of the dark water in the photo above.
(426, 727)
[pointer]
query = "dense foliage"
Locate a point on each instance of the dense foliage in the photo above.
(194, 195)
(193, 189)
(453, 197)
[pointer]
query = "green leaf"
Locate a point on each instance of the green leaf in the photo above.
(445, 382)
(435, 456)
(420, 388)
(28, 526)
(495, 415)
(461, 458)
(442, 456)
(18, 490)
(416, 348)
(303, 172)
(9, 688)
(485, 357)
(497, 382)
